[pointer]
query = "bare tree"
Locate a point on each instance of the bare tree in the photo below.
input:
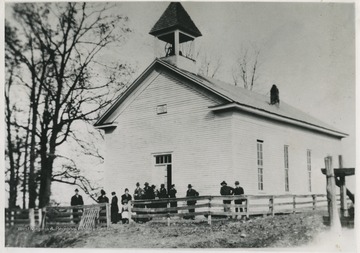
(245, 70)
(57, 45)
(210, 63)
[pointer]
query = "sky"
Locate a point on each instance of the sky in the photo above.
(306, 49)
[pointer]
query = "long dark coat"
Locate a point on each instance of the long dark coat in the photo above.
(226, 190)
(238, 191)
(191, 193)
(103, 199)
(114, 209)
(77, 200)
(125, 198)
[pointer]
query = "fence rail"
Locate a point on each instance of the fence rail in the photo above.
(56, 216)
(172, 208)
(214, 206)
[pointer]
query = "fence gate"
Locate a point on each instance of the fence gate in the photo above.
(89, 218)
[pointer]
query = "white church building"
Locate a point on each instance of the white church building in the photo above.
(175, 126)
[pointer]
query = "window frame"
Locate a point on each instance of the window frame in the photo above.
(286, 167)
(260, 164)
(308, 167)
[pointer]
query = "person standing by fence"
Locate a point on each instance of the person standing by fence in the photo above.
(114, 208)
(163, 195)
(138, 192)
(191, 193)
(238, 191)
(76, 200)
(125, 198)
(225, 191)
(102, 198)
(172, 194)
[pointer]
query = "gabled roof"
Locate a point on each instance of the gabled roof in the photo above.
(175, 17)
(236, 98)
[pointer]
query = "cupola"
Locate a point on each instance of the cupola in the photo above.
(175, 35)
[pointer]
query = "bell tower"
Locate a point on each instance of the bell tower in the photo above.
(174, 34)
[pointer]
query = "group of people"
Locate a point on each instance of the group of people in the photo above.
(228, 190)
(150, 192)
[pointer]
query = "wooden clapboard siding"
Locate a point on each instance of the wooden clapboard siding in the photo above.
(200, 141)
(207, 147)
(247, 129)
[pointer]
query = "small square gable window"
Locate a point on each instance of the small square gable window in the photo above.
(161, 109)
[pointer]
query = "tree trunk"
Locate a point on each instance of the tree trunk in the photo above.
(32, 179)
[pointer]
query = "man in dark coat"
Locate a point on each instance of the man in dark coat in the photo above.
(224, 191)
(191, 193)
(146, 191)
(76, 200)
(125, 198)
(172, 194)
(114, 208)
(138, 192)
(238, 191)
(163, 195)
(102, 198)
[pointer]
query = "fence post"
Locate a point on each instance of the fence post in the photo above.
(39, 216)
(129, 210)
(331, 194)
(294, 204)
(247, 207)
(314, 201)
(107, 210)
(271, 205)
(209, 215)
(12, 214)
(168, 213)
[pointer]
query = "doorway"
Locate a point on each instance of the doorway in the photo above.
(162, 171)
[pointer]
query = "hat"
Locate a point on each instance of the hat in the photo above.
(189, 185)
(173, 185)
(223, 182)
(153, 186)
(137, 184)
(237, 183)
(76, 190)
(102, 192)
(126, 189)
(162, 185)
(146, 184)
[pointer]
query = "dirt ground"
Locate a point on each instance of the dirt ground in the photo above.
(292, 230)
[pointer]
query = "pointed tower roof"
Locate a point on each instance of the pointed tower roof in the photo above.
(175, 17)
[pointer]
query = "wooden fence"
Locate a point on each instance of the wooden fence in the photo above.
(57, 216)
(208, 206)
(70, 216)
(213, 206)
(20, 217)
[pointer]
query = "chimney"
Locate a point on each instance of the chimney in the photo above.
(274, 95)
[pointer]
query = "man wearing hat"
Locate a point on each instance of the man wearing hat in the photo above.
(238, 191)
(163, 195)
(172, 194)
(76, 200)
(191, 193)
(138, 192)
(102, 198)
(146, 191)
(224, 191)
